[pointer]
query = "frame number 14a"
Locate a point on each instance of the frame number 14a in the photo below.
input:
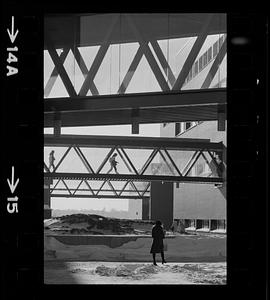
(12, 58)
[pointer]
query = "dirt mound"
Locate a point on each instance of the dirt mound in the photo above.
(96, 224)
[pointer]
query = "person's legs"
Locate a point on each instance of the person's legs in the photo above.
(115, 170)
(110, 169)
(154, 259)
(162, 256)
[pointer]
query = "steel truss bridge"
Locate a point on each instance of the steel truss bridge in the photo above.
(172, 104)
(164, 159)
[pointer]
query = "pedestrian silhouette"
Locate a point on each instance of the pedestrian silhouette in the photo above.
(158, 235)
(51, 160)
(113, 163)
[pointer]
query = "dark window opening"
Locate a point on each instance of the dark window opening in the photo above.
(199, 224)
(215, 49)
(177, 128)
(200, 63)
(188, 125)
(205, 224)
(196, 68)
(205, 59)
(209, 54)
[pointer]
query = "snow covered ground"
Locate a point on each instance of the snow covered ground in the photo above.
(89, 249)
(133, 273)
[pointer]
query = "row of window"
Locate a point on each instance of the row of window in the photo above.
(205, 59)
(206, 225)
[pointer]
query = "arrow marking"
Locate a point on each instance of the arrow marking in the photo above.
(12, 35)
(12, 186)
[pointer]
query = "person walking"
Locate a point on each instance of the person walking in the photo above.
(51, 160)
(113, 163)
(158, 235)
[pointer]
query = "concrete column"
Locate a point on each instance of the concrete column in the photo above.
(145, 208)
(161, 202)
(57, 124)
(47, 199)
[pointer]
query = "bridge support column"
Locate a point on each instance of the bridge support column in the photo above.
(47, 199)
(161, 202)
(57, 125)
(146, 208)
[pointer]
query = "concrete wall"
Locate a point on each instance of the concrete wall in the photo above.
(185, 248)
(135, 208)
(161, 205)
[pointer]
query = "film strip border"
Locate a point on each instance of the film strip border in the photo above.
(22, 121)
(21, 151)
(247, 150)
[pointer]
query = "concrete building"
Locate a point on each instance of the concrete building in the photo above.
(201, 206)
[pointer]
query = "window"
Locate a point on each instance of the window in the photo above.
(196, 68)
(215, 49)
(213, 225)
(188, 125)
(209, 54)
(189, 223)
(205, 224)
(199, 224)
(221, 224)
(190, 75)
(200, 63)
(193, 70)
(177, 128)
(205, 59)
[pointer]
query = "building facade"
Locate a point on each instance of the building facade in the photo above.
(201, 207)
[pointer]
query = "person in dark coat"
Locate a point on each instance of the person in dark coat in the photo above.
(157, 245)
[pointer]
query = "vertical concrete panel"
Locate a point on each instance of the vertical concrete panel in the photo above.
(47, 199)
(162, 202)
(146, 209)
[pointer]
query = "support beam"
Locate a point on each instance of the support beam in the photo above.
(132, 68)
(173, 99)
(221, 119)
(147, 116)
(60, 67)
(84, 70)
(129, 142)
(124, 177)
(135, 121)
(47, 198)
(98, 59)
(148, 54)
(162, 203)
(163, 61)
(52, 79)
(57, 125)
(112, 197)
